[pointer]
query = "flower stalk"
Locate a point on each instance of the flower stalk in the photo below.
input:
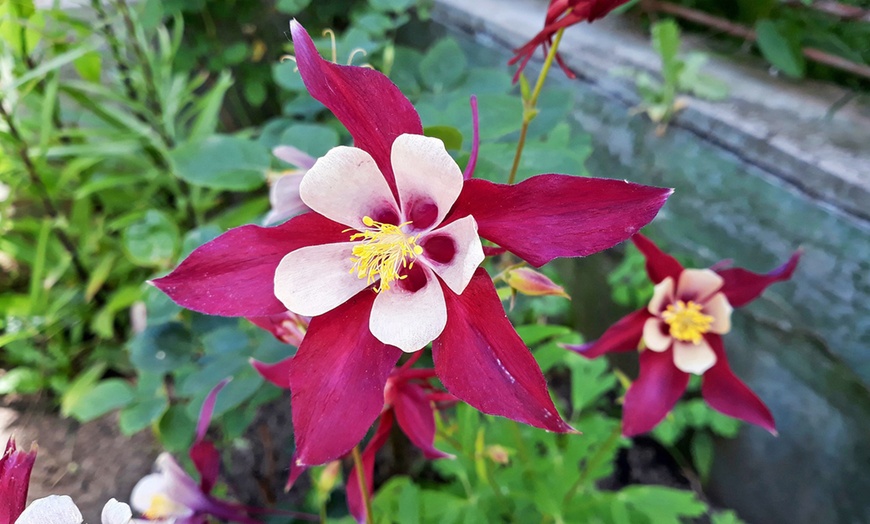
(529, 109)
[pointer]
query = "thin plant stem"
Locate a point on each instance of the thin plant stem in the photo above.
(529, 112)
(593, 463)
(361, 478)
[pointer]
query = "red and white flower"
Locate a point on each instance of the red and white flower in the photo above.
(680, 334)
(388, 260)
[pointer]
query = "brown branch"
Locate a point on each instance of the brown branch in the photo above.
(741, 31)
(846, 12)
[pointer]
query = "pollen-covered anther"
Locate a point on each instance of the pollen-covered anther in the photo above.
(383, 252)
(686, 321)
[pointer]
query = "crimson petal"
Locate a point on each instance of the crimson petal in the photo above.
(15, 467)
(414, 415)
(742, 286)
(337, 381)
(355, 503)
(625, 335)
(659, 265)
(369, 105)
(206, 458)
(482, 361)
(729, 395)
(233, 274)
(277, 373)
(658, 387)
(549, 216)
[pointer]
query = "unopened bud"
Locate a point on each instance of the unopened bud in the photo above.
(530, 282)
(328, 477)
(498, 454)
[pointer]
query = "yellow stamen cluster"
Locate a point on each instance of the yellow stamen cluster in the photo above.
(686, 321)
(383, 251)
(161, 507)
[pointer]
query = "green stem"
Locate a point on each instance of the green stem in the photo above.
(529, 112)
(593, 463)
(361, 478)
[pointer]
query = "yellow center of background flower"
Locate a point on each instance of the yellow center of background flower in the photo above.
(161, 507)
(383, 251)
(686, 321)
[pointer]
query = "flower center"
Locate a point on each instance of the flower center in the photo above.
(686, 321)
(161, 507)
(383, 251)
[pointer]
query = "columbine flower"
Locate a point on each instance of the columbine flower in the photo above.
(284, 193)
(60, 509)
(680, 334)
(171, 495)
(561, 14)
(15, 467)
(387, 262)
(410, 399)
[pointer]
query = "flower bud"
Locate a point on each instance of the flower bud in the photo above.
(530, 282)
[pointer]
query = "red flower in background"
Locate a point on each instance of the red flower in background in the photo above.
(387, 261)
(561, 14)
(680, 334)
(15, 467)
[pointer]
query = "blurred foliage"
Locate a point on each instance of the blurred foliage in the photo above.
(783, 28)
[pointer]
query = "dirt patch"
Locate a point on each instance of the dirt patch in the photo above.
(90, 462)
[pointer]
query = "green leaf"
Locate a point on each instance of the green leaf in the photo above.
(21, 380)
(175, 429)
(162, 348)
(106, 396)
(79, 387)
(151, 241)
(666, 41)
(391, 5)
(89, 66)
(443, 65)
(314, 139)
(139, 416)
(702, 455)
(287, 76)
(291, 7)
(781, 48)
(222, 162)
(451, 136)
(662, 505)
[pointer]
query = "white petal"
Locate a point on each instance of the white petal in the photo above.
(663, 296)
(54, 509)
(698, 285)
(719, 308)
(409, 320)
(115, 512)
(285, 200)
(693, 358)
(145, 490)
(315, 279)
(468, 254)
(345, 185)
(654, 337)
(425, 175)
